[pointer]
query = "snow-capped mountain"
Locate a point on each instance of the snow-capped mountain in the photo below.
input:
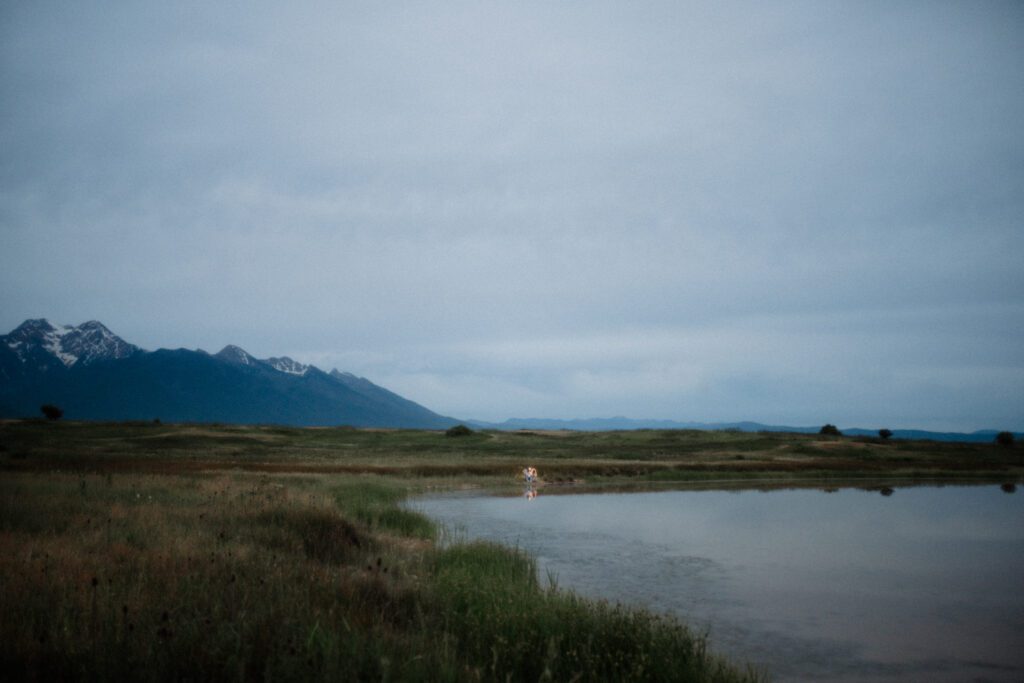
(60, 364)
(43, 344)
(287, 365)
(234, 354)
(40, 342)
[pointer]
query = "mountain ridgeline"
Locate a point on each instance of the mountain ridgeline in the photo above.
(93, 374)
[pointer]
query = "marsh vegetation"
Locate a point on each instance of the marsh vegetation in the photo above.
(153, 551)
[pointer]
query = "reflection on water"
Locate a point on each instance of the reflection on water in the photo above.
(917, 583)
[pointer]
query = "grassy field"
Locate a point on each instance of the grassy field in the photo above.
(156, 552)
(563, 456)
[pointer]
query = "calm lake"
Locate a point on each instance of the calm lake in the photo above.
(916, 583)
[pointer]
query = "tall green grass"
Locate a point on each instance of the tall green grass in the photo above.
(495, 613)
(374, 502)
(245, 577)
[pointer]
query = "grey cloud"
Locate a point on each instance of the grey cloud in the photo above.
(412, 190)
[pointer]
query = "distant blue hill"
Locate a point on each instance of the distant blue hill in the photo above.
(603, 424)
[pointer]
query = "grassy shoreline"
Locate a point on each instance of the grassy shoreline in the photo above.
(161, 552)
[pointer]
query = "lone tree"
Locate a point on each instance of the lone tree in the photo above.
(458, 430)
(1005, 439)
(830, 430)
(51, 411)
(885, 433)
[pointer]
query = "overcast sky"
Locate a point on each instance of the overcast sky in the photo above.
(785, 212)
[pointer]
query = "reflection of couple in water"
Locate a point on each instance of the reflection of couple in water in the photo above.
(530, 476)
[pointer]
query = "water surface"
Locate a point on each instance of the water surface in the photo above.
(922, 583)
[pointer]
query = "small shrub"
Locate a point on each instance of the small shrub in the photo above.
(459, 430)
(830, 430)
(325, 536)
(51, 411)
(1005, 439)
(885, 433)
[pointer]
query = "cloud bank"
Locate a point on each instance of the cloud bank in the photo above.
(797, 213)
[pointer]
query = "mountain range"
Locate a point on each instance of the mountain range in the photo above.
(93, 374)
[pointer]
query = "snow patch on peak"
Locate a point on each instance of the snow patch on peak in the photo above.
(32, 326)
(53, 341)
(95, 326)
(92, 341)
(235, 354)
(84, 344)
(287, 365)
(36, 334)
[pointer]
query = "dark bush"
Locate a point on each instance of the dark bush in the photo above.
(885, 433)
(458, 430)
(328, 538)
(51, 411)
(1005, 439)
(830, 430)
